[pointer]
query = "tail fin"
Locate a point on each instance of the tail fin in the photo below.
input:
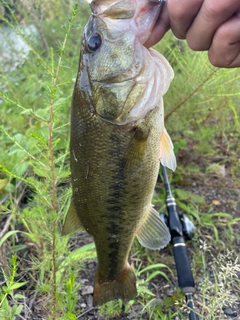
(122, 287)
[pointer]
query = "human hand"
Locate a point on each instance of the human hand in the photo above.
(212, 25)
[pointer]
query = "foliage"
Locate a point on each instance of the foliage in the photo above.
(6, 311)
(206, 100)
(34, 161)
(202, 115)
(218, 284)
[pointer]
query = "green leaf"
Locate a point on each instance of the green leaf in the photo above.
(5, 306)
(143, 289)
(21, 168)
(3, 183)
(188, 195)
(9, 187)
(17, 285)
(42, 172)
(155, 274)
(40, 140)
(7, 235)
(84, 253)
(188, 208)
(19, 296)
(18, 310)
(153, 266)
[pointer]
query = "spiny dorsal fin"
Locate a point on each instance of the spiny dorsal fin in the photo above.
(167, 156)
(72, 222)
(153, 233)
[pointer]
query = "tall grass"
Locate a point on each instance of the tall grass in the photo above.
(34, 164)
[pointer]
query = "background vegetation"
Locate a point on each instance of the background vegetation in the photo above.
(42, 273)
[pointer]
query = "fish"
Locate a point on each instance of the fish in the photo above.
(118, 140)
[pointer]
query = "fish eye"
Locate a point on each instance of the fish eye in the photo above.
(94, 42)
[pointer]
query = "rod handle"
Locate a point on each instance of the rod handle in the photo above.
(184, 272)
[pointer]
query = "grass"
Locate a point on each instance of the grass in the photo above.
(202, 116)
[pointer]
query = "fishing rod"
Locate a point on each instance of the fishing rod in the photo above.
(180, 226)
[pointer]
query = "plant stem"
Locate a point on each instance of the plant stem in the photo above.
(55, 73)
(54, 181)
(191, 94)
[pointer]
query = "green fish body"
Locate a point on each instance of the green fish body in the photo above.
(118, 140)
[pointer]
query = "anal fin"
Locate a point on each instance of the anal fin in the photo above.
(72, 222)
(153, 232)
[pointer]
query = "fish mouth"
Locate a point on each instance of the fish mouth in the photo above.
(138, 15)
(131, 17)
(128, 95)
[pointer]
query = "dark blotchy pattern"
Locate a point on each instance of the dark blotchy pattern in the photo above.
(114, 171)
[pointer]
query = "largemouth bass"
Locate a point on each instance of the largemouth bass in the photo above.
(118, 140)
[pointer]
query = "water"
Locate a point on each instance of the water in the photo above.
(13, 48)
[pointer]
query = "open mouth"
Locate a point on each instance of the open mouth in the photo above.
(138, 15)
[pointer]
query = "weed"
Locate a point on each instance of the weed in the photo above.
(10, 311)
(35, 144)
(218, 284)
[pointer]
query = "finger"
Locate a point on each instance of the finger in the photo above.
(182, 15)
(225, 48)
(212, 14)
(160, 28)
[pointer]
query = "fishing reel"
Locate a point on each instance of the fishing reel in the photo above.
(187, 225)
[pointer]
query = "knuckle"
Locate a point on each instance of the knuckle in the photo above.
(212, 10)
(178, 11)
(177, 34)
(196, 44)
(221, 61)
(224, 56)
(214, 60)
(222, 34)
(217, 8)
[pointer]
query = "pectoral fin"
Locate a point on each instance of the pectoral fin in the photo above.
(167, 156)
(72, 222)
(153, 233)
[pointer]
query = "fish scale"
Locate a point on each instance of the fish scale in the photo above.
(115, 163)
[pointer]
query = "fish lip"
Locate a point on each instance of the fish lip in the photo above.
(133, 21)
